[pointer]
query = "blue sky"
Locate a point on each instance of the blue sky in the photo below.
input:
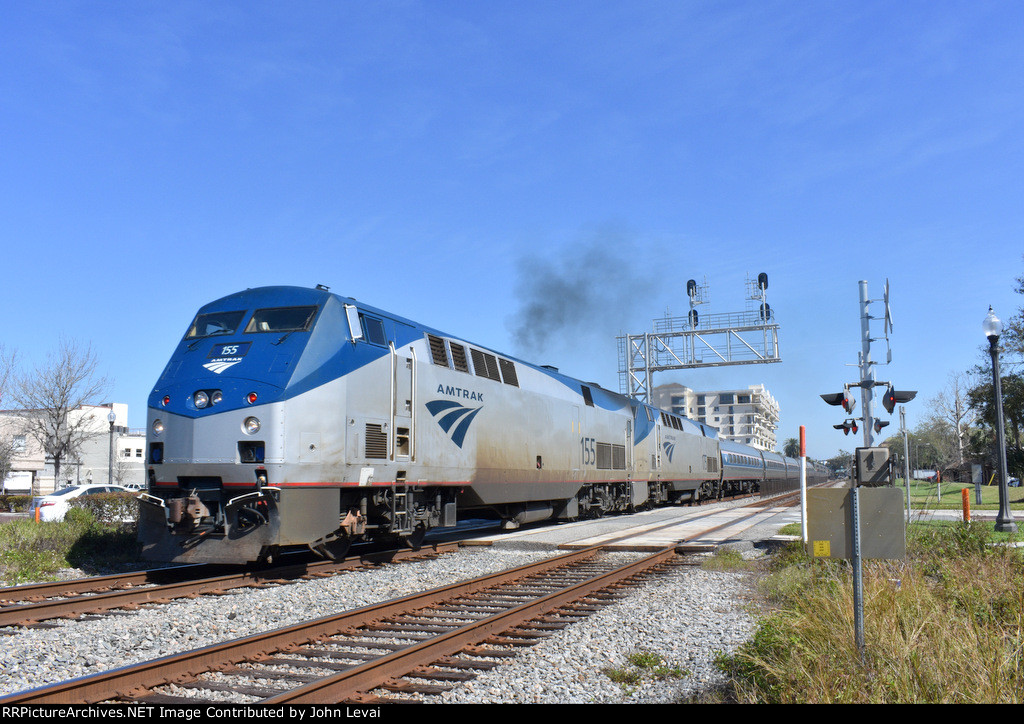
(438, 159)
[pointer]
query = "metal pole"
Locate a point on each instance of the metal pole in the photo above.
(803, 484)
(858, 576)
(1004, 521)
(867, 372)
(906, 457)
(110, 457)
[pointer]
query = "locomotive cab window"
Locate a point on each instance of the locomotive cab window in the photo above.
(281, 319)
(215, 323)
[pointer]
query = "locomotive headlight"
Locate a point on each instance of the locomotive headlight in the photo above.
(251, 425)
(201, 399)
(216, 397)
(158, 427)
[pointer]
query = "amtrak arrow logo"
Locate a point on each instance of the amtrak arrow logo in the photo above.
(453, 418)
(670, 447)
(219, 365)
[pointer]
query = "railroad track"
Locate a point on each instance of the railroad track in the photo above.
(416, 645)
(408, 647)
(31, 604)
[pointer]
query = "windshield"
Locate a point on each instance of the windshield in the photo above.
(215, 323)
(66, 491)
(281, 319)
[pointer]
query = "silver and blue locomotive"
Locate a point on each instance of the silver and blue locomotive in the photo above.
(295, 418)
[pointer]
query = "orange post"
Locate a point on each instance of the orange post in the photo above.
(966, 496)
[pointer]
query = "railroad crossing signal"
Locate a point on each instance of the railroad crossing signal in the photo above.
(879, 424)
(847, 427)
(892, 397)
(843, 398)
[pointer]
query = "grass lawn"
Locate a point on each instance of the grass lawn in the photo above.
(947, 496)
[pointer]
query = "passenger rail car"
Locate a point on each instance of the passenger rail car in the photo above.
(291, 417)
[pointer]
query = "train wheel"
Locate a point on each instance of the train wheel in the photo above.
(695, 497)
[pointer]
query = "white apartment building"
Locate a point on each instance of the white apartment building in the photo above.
(749, 416)
(32, 470)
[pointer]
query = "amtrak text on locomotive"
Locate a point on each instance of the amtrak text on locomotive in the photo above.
(460, 392)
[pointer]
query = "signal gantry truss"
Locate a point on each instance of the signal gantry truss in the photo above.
(714, 340)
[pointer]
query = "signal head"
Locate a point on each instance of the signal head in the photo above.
(843, 398)
(893, 397)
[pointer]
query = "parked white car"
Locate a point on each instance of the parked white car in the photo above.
(55, 505)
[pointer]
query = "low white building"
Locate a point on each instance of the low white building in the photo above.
(31, 470)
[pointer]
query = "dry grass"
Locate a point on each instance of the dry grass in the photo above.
(943, 626)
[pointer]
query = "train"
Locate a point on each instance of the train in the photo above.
(292, 418)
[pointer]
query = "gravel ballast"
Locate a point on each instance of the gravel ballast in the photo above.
(687, 617)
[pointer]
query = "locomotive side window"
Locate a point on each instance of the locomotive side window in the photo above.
(587, 397)
(373, 330)
(215, 323)
(281, 319)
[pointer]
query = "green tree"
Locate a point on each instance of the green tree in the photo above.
(981, 397)
(840, 463)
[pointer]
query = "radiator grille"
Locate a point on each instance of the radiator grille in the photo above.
(611, 457)
(508, 372)
(376, 442)
(486, 365)
(459, 357)
(618, 457)
(437, 352)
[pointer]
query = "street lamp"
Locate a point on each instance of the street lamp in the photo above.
(993, 328)
(110, 460)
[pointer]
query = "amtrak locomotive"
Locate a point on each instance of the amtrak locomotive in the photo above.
(295, 418)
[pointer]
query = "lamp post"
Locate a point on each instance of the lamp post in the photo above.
(993, 328)
(110, 459)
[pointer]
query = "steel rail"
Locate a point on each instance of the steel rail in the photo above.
(365, 677)
(140, 594)
(136, 679)
(91, 584)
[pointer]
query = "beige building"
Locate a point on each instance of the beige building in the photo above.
(749, 416)
(32, 470)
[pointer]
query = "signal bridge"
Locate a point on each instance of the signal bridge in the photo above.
(694, 341)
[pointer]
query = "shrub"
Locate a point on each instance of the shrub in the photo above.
(15, 503)
(109, 507)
